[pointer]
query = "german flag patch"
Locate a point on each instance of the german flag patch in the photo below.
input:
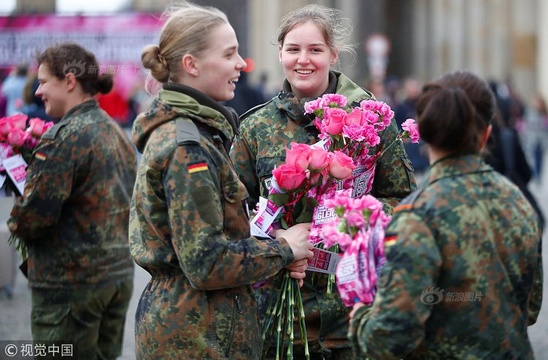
(197, 167)
(390, 239)
(40, 156)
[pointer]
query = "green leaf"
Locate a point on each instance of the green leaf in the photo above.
(279, 199)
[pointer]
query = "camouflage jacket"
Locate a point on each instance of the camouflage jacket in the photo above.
(190, 230)
(264, 134)
(463, 277)
(74, 211)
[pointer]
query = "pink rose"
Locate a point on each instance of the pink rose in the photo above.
(341, 165)
(319, 159)
(17, 137)
(334, 120)
(37, 127)
(5, 127)
(355, 117)
(298, 155)
(289, 177)
(18, 121)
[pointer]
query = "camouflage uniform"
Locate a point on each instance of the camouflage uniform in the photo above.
(190, 231)
(265, 133)
(464, 274)
(73, 217)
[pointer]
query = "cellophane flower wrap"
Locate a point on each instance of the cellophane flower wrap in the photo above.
(304, 187)
(358, 229)
(19, 135)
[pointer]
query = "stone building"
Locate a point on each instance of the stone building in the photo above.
(498, 39)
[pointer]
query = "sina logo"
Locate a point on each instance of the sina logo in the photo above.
(76, 68)
(431, 296)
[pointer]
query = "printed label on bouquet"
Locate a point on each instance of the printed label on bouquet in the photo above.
(363, 180)
(16, 168)
(261, 224)
(324, 261)
(323, 215)
(350, 268)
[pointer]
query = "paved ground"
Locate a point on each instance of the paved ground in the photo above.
(15, 312)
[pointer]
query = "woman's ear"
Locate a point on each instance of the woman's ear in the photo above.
(485, 136)
(334, 57)
(70, 81)
(189, 64)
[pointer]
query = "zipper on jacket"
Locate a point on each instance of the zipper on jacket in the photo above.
(238, 306)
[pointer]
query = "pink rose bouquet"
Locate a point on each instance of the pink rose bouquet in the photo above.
(307, 188)
(18, 140)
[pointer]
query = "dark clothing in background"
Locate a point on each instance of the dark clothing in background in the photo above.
(506, 156)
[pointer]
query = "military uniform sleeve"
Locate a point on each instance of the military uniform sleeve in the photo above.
(48, 185)
(394, 175)
(210, 259)
(245, 164)
(535, 299)
(394, 325)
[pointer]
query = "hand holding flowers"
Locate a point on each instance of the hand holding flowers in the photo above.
(328, 183)
(18, 140)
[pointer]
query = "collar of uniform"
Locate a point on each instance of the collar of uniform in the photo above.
(83, 107)
(455, 165)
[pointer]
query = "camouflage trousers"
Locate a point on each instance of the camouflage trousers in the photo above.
(325, 354)
(91, 321)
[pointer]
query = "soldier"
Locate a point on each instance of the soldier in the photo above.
(309, 42)
(463, 277)
(74, 212)
(188, 226)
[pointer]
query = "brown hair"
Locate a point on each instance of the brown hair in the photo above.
(454, 111)
(185, 32)
(70, 57)
(335, 28)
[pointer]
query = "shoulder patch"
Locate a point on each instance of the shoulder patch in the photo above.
(52, 132)
(40, 156)
(187, 132)
(197, 167)
(390, 239)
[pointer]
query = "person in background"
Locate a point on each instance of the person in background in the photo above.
(74, 213)
(463, 277)
(188, 226)
(33, 106)
(246, 96)
(505, 152)
(309, 42)
(536, 134)
(12, 89)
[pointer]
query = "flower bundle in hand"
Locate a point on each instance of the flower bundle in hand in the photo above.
(17, 142)
(17, 138)
(358, 230)
(306, 187)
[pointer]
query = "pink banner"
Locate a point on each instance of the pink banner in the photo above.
(114, 39)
